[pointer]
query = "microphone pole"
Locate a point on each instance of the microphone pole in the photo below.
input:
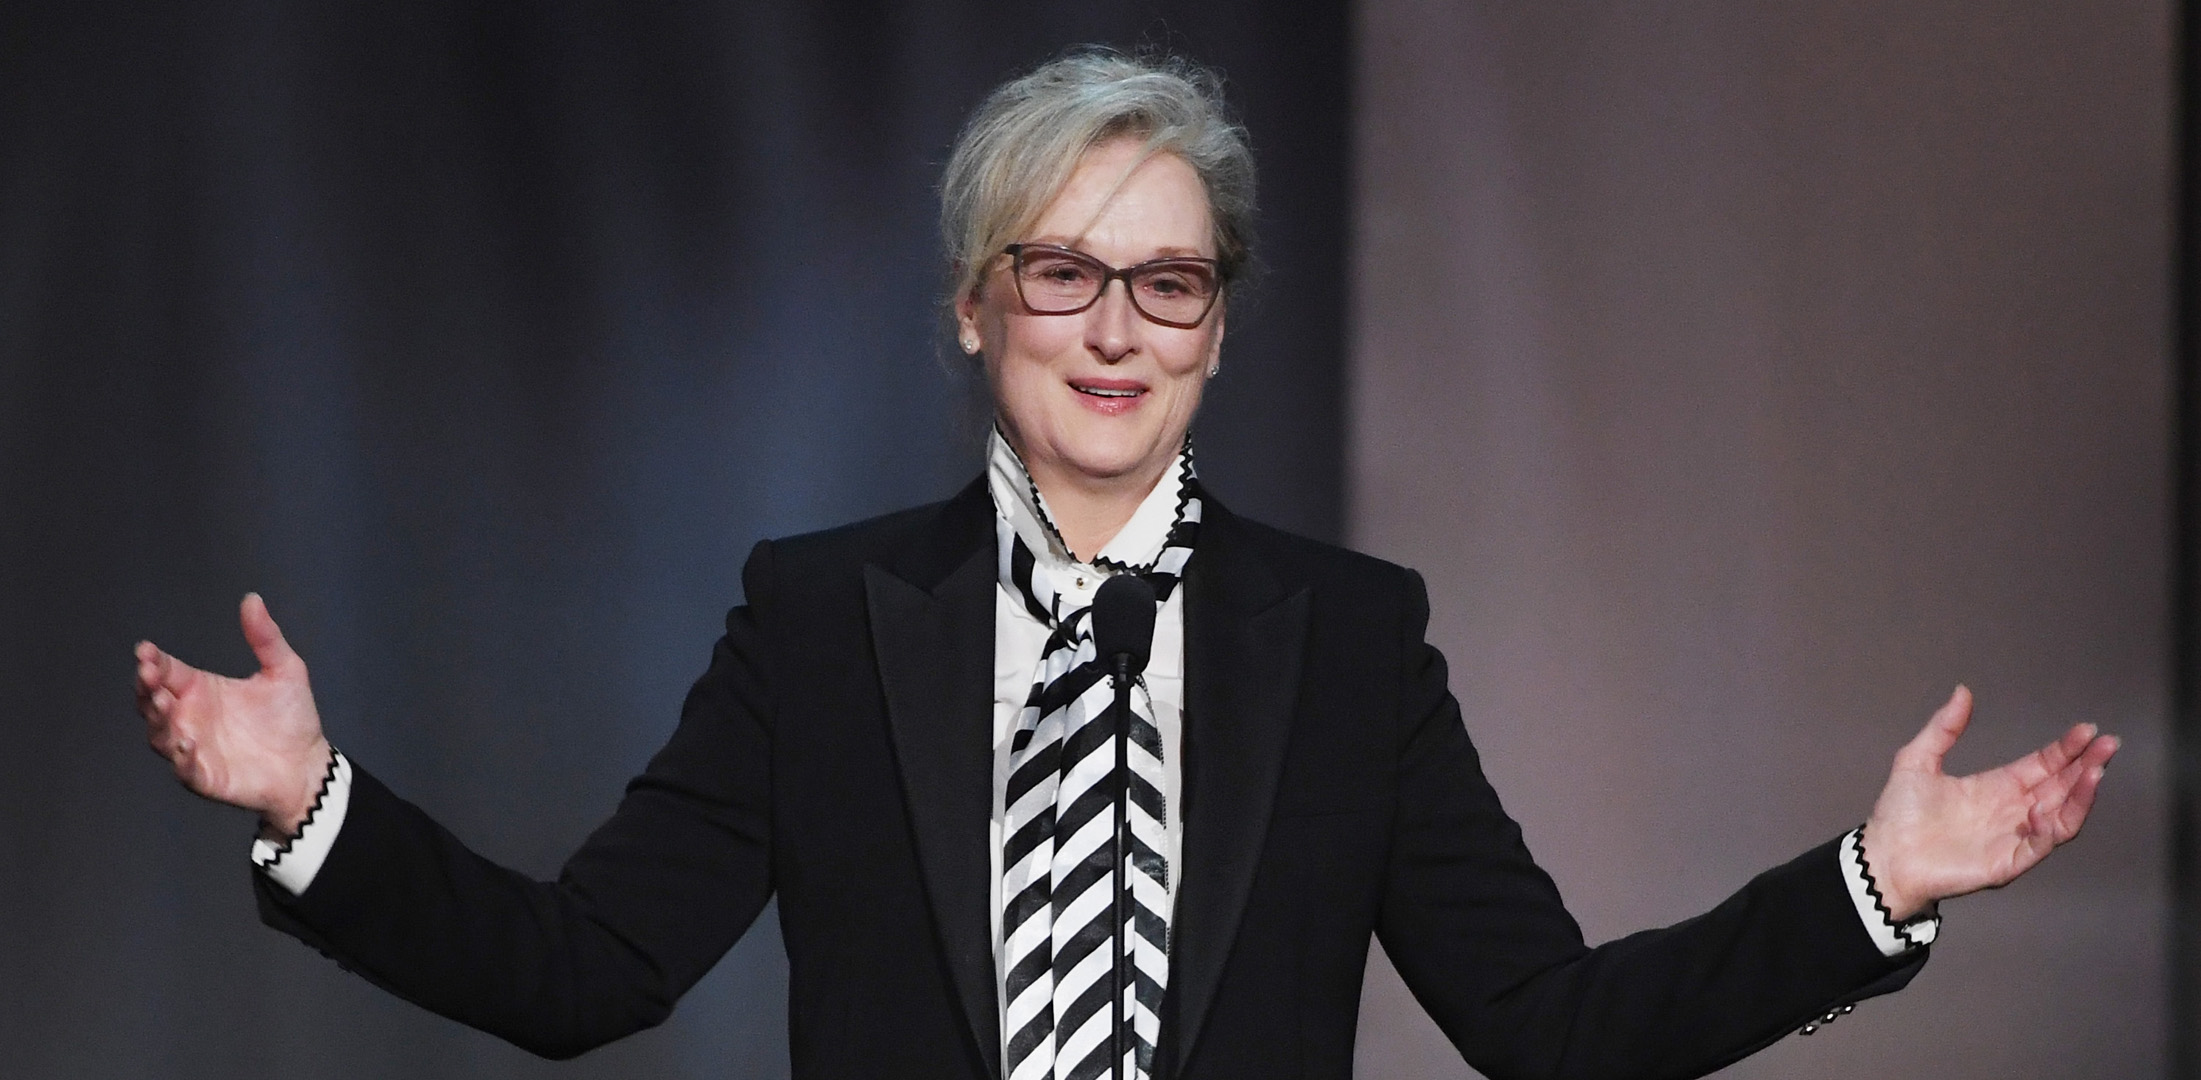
(1123, 633)
(1122, 709)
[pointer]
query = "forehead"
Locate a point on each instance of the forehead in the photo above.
(1125, 204)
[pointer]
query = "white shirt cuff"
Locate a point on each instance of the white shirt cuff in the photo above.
(1893, 938)
(294, 864)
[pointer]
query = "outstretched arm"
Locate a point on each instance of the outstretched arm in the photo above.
(254, 742)
(1480, 934)
(637, 915)
(1933, 836)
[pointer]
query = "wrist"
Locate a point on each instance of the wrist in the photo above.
(1883, 868)
(280, 823)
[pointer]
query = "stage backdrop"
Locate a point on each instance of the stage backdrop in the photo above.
(1743, 376)
(1739, 378)
(485, 339)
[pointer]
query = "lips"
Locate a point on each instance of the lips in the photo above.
(1108, 388)
(1109, 397)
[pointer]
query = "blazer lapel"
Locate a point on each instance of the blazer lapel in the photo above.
(932, 631)
(1243, 641)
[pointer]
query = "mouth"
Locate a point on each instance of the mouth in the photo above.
(1112, 390)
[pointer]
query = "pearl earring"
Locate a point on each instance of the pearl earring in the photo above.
(1213, 370)
(970, 344)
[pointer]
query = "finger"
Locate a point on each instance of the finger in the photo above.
(172, 674)
(186, 764)
(2061, 805)
(2068, 818)
(148, 670)
(1941, 732)
(2047, 761)
(163, 739)
(2101, 749)
(162, 724)
(264, 636)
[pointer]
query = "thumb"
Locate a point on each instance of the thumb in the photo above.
(264, 636)
(1941, 731)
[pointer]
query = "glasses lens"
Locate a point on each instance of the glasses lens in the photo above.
(1057, 281)
(1177, 292)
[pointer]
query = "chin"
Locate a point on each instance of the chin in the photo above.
(1111, 458)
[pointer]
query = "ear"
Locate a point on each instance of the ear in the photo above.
(966, 314)
(1215, 344)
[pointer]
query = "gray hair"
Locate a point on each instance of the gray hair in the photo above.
(1017, 151)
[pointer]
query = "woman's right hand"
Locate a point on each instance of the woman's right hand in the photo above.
(254, 743)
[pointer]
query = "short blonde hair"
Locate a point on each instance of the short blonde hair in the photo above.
(1020, 146)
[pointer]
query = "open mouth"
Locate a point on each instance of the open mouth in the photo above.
(1108, 389)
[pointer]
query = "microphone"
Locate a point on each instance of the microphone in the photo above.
(1123, 636)
(1123, 624)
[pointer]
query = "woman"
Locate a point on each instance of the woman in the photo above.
(1300, 777)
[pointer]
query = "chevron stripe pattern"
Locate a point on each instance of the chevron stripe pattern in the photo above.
(1058, 861)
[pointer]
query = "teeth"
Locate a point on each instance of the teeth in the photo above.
(1098, 392)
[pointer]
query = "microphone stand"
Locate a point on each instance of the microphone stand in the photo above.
(1119, 977)
(1123, 631)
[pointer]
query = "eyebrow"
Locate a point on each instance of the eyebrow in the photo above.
(1160, 253)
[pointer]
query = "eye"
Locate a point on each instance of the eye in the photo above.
(1177, 282)
(1057, 270)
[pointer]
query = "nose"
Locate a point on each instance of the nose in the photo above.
(1112, 324)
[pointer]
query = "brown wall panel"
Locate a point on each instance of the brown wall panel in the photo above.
(1742, 377)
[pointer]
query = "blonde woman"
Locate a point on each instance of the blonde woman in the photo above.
(904, 736)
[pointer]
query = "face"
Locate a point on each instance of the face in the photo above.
(1101, 399)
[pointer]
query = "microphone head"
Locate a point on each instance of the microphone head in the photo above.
(1123, 620)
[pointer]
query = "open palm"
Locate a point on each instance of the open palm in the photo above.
(1933, 836)
(254, 742)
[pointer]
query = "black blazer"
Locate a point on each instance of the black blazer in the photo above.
(837, 753)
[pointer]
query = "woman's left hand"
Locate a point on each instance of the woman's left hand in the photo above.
(1933, 836)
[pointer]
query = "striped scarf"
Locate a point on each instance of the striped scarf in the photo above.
(1058, 881)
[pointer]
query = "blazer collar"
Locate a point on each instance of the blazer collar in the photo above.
(1245, 630)
(932, 610)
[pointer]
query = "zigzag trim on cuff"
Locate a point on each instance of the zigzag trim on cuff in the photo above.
(1902, 930)
(328, 777)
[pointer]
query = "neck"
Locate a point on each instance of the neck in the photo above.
(1089, 511)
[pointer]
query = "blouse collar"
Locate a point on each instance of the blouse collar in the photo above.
(1137, 545)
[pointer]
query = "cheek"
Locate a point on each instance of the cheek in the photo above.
(1019, 382)
(1189, 390)
(1188, 358)
(1037, 340)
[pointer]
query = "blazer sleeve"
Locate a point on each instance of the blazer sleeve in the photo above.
(1479, 934)
(647, 905)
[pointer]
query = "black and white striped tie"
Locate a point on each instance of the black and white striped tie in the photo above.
(1058, 884)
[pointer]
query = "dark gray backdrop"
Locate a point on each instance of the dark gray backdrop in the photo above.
(484, 339)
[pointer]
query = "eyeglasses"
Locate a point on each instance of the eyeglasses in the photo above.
(1177, 291)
